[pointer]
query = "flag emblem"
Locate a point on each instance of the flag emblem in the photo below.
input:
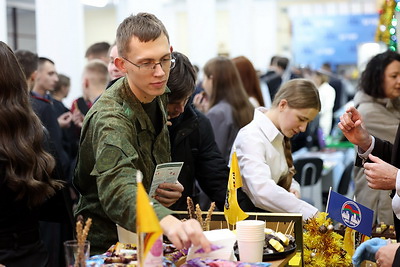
(351, 214)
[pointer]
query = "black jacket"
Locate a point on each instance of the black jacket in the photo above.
(47, 115)
(389, 153)
(193, 142)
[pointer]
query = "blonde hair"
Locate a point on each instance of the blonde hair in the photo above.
(299, 94)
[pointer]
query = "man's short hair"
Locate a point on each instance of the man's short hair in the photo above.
(282, 62)
(182, 78)
(28, 60)
(43, 60)
(98, 72)
(145, 26)
(98, 50)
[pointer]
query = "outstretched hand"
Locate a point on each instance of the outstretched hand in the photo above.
(352, 128)
(184, 234)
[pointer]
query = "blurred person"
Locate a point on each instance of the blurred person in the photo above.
(274, 77)
(337, 84)
(114, 72)
(95, 78)
(29, 62)
(250, 80)
(98, 51)
(225, 102)
(41, 99)
(61, 91)
(125, 131)
(25, 182)
(327, 95)
(264, 152)
(380, 109)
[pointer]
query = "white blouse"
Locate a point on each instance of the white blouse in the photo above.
(260, 152)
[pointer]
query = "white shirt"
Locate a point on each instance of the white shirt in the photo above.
(327, 95)
(260, 152)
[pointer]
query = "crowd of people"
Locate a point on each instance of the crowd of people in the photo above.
(139, 108)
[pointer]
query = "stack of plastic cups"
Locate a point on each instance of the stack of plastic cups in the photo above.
(251, 238)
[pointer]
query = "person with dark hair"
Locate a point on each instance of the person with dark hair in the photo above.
(25, 182)
(380, 109)
(250, 80)
(192, 141)
(98, 51)
(41, 99)
(264, 152)
(225, 102)
(126, 131)
(29, 62)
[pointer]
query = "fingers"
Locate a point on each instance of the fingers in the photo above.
(184, 234)
(195, 234)
(172, 186)
(346, 123)
(374, 159)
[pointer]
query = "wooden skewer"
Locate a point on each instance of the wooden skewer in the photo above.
(277, 226)
(289, 226)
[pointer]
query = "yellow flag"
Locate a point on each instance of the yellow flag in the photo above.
(146, 220)
(232, 211)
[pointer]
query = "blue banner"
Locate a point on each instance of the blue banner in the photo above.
(331, 39)
(350, 213)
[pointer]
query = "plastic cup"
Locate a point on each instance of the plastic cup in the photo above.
(74, 256)
(125, 236)
(251, 251)
(251, 238)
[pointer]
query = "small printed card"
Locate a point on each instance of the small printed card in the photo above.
(165, 173)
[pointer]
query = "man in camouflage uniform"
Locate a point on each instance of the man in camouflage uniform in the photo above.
(125, 131)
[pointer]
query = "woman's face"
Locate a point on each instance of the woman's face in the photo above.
(207, 85)
(293, 121)
(391, 83)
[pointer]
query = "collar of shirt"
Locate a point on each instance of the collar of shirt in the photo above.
(266, 125)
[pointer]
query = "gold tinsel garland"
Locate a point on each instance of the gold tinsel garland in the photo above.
(385, 19)
(323, 246)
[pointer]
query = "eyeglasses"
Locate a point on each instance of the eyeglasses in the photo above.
(165, 64)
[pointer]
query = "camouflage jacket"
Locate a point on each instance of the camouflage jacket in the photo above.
(117, 139)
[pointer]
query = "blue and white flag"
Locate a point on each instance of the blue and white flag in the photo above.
(350, 213)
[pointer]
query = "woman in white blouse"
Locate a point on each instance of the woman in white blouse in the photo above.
(263, 148)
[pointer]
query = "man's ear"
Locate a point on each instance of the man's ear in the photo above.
(85, 82)
(171, 49)
(119, 62)
(33, 76)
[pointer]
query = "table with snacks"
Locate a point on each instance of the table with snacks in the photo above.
(283, 240)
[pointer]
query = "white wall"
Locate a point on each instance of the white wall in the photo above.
(59, 29)
(3, 21)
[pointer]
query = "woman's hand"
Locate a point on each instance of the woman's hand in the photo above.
(184, 234)
(200, 101)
